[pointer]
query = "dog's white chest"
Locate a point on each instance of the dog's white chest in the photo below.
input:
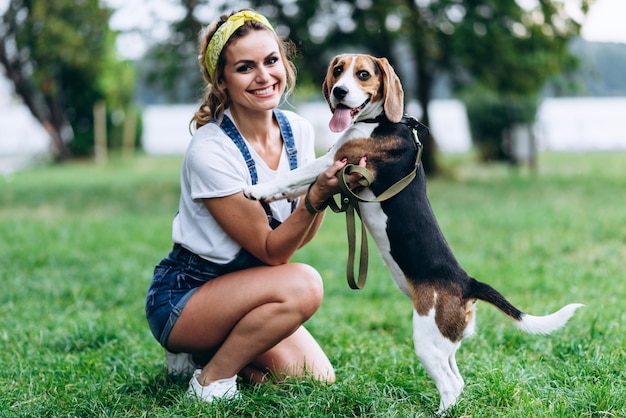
(358, 130)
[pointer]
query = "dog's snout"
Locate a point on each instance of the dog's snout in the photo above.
(340, 92)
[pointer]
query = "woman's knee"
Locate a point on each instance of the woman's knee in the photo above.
(304, 286)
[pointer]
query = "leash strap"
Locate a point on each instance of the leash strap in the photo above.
(232, 132)
(359, 283)
(350, 206)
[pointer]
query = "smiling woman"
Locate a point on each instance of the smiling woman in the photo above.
(227, 301)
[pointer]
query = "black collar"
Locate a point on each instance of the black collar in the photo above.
(407, 120)
(378, 119)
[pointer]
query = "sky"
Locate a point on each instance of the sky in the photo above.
(605, 22)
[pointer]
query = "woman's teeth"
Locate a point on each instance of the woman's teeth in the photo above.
(264, 91)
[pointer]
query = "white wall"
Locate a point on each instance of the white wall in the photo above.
(166, 127)
(582, 124)
(22, 138)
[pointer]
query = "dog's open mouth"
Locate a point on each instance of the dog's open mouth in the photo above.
(344, 115)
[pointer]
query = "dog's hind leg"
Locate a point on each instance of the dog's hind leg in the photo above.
(437, 354)
(454, 368)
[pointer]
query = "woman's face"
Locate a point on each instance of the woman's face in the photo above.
(254, 73)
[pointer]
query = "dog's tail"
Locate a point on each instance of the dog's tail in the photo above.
(528, 323)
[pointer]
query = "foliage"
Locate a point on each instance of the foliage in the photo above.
(172, 65)
(80, 241)
(491, 115)
(61, 58)
(510, 49)
(529, 47)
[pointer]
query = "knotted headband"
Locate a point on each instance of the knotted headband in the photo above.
(224, 32)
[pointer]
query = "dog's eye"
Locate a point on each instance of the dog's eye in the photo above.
(363, 75)
(337, 71)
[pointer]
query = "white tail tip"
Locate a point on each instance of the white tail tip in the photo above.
(548, 323)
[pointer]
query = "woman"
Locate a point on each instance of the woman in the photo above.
(227, 296)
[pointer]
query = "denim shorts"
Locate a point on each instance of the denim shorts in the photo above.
(176, 278)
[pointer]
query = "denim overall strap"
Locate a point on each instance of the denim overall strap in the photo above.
(229, 129)
(290, 146)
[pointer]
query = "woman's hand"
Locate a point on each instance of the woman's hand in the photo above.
(327, 183)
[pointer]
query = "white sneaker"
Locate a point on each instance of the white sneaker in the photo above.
(220, 389)
(180, 363)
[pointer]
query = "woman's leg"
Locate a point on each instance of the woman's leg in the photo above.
(297, 355)
(252, 319)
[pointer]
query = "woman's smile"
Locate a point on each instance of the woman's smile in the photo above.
(264, 91)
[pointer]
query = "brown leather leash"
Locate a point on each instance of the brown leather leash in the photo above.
(350, 203)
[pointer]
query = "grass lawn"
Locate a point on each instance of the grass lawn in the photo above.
(78, 244)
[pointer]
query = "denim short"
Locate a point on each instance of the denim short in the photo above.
(176, 278)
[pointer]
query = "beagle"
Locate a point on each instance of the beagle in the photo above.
(366, 98)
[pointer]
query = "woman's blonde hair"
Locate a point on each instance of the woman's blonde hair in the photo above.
(217, 100)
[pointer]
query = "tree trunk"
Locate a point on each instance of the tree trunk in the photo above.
(54, 116)
(25, 93)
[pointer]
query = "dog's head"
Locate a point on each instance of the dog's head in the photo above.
(359, 87)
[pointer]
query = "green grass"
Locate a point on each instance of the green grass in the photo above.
(78, 244)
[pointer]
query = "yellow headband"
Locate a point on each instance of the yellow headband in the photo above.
(224, 32)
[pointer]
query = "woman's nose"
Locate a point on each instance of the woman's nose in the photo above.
(262, 73)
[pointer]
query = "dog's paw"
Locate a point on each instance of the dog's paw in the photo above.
(248, 192)
(263, 192)
(248, 195)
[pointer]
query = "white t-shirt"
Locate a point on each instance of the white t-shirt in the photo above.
(214, 167)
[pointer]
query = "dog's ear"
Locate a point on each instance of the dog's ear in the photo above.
(392, 91)
(326, 85)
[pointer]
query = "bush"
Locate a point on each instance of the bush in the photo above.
(491, 115)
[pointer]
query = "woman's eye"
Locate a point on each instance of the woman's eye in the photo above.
(244, 68)
(272, 61)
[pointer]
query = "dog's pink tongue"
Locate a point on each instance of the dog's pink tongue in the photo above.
(341, 119)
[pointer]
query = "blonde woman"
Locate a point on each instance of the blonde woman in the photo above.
(227, 301)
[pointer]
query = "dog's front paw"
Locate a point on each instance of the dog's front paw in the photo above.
(248, 192)
(253, 193)
(263, 192)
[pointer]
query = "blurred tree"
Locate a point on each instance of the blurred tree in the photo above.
(60, 57)
(172, 65)
(499, 44)
(513, 52)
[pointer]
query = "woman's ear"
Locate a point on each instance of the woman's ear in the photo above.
(221, 83)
